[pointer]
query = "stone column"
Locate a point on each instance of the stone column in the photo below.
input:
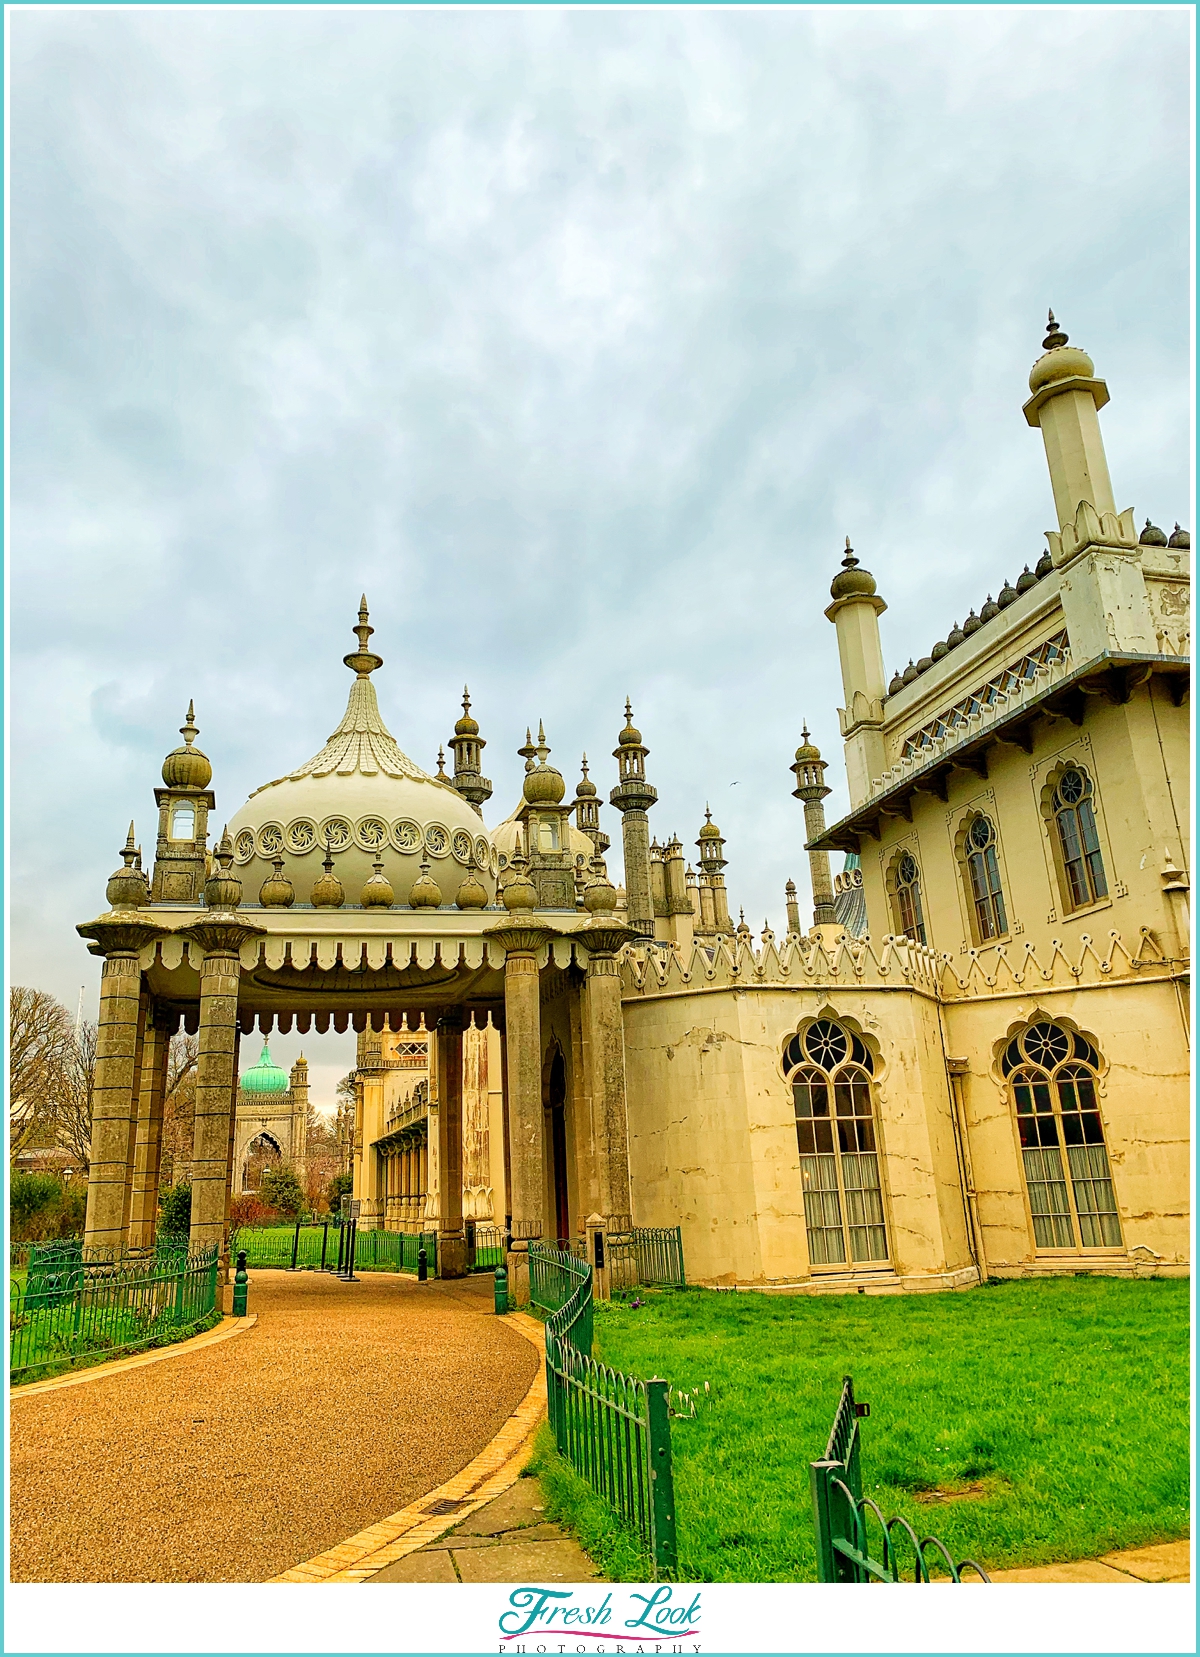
(635, 842)
(113, 1100)
(605, 1038)
(523, 1040)
(452, 1247)
(156, 1046)
(216, 1076)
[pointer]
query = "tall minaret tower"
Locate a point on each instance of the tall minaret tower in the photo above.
(1066, 402)
(587, 811)
(468, 746)
(810, 787)
(855, 612)
(711, 843)
(633, 797)
(181, 851)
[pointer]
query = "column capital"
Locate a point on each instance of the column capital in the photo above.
(523, 938)
(606, 935)
(120, 933)
(222, 934)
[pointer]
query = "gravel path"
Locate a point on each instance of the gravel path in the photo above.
(345, 1403)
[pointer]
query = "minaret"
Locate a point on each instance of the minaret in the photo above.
(658, 880)
(181, 853)
(298, 1091)
(855, 612)
(1066, 402)
(810, 787)
(546, 821)
(793, 908)
(712, 860)
(633, 797)
(468, 746)
(587, 811)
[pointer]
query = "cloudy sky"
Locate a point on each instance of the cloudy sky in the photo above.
(580, 340)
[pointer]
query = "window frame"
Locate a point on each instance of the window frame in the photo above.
(916, 927)
(995, 896)
(1068, 906)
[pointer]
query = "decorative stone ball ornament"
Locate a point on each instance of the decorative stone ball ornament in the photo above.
(377, 893)
(187, 767)
(425, 893)
(127, 886)
(277, 891)
(223, 889)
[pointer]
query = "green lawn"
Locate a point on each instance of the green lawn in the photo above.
(1065, 1400)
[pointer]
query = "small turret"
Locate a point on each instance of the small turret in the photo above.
(468, 747)
(184, 802)
(855, 612)
(633, 797)
(809, 769)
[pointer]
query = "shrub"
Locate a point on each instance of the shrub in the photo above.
(249, 1209)
(175, 1208)
(341, 1185)
(282, 1190)
(43, 1206)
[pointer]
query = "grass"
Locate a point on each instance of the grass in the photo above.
(1046, 1420)
(59, 1351)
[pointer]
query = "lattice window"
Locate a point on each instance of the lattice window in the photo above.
(1004, 683)
(1053, 1074)
(830, 1070)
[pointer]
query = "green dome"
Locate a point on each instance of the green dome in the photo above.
(265, 1076)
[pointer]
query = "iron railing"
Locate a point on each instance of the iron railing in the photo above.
(396, 1251)
(613, 1429)
(486, 1246)
(645, 1255)
(77, 1309)
(840, 1511)
(334, 1246)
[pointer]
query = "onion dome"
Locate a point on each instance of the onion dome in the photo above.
(327, 893)
(897, 684)
(127, 887)
(377, 892)
(925, 663)
(585, 788)
(954, 637)
(425, 892)
(852, 581)
(223, 889)
(1152, 536)
(806, 753)
(971, 625)
(599, 895)
(466, 726)
(708, 829)
(471, 893)
(990, 609)
(1026, 580)
(910, 673)
(1060, 362)
(1043, 566)
(1180, 538)
(1006, 596)
(630, 737)
(743, 931)
(518, 893)
(940, 649)
(543, 784)
(187, 767)
(277, 891)
(266, 1076)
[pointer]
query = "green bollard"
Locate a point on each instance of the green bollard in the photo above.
(501, 1291)
(241, 1283)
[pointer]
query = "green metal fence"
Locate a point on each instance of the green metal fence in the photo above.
(842, 1515)
(613, 1429)
(395, 1251)
(81, 1308)
(486, 1246)
(321, 1246)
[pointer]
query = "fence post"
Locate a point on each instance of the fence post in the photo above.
(662, 1479)
(324, 1241)
(296, 1245)
(501, 1291)
(241, 1280)
(819, 1474)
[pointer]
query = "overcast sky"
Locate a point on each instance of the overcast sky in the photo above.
(580, 340)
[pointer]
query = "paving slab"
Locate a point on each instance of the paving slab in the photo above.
(430, 1565)
(520, 1506)
(1167, 1562)
(526, 1562)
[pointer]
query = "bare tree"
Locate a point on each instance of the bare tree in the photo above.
(179, 1108)
(39, 1042)
(73, 1115)
(321, 1156)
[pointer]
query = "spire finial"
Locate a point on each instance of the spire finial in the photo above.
(804, 730)
(849, 561)
(707, 815)
(363, 661)
(1054, 334)
(189, 730)
(585, 764)
(628, 711)
(441, 770)
(466, 700)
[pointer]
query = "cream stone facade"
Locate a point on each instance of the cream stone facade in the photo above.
(975, 1062)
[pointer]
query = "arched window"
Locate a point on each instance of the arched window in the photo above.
(1052, 1072)
(830, 1071)
(983, 874)
(1075, 820)
(183, 823)
(905, 885)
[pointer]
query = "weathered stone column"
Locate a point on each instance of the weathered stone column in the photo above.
(119, 938)
(156, 1046)
(523, 1039)
(452, 1247)
(604, 936)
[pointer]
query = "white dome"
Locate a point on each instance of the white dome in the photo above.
(364, 799)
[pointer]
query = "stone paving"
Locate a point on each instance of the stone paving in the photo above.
(1166, 1562)
(508, 1540)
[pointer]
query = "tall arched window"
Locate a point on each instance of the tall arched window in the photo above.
(830, 1071)
(983, 872)
(1075, 820)
(906, 894)
(1053, 1076)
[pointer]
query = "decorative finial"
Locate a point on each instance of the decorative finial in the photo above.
(130, 851)
(804, 730)
(707, 815)
(542, 745)
(585, 764)
(466, 700)
(441, 770)
(849, 561)
(189, 730)
(628, 711)
(363, 661)
(1054, 334)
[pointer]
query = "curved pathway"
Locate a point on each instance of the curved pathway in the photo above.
(232, 1463)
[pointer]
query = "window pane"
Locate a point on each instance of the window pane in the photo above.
(1048, 1198)
(864, 1208)
(1095, 1201)
(822, 1211)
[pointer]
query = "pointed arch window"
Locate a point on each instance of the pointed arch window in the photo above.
(983, 873)
(1079, 843)
(905, 884)
(831, 1073)
(1053, 1074)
